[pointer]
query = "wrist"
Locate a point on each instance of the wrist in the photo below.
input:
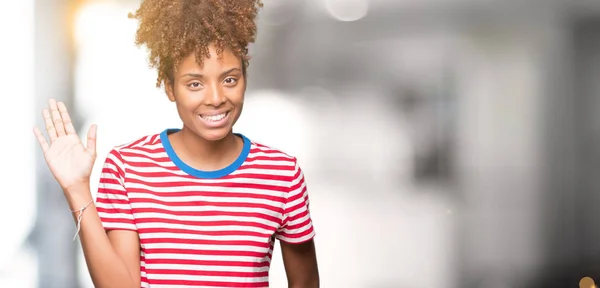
(78, 188)
(78, 195)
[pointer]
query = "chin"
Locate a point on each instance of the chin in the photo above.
(214, 135)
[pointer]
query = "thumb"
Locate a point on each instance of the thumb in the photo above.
(91, 140)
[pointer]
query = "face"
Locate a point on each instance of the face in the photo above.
(209, 97)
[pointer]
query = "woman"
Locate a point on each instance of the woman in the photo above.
(198, 206)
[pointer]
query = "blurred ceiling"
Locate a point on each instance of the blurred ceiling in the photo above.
(416, 11)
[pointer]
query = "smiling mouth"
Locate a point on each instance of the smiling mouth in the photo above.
(214, 118)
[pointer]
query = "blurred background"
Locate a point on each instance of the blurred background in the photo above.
(446, 143)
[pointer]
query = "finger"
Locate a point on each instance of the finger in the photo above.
(49, 125)
(58, 121)
(64, 114)
(91, 140)
(41, 139)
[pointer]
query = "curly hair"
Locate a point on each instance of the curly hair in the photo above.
(173, 29)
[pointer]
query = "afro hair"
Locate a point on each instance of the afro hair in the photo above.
(174, 29)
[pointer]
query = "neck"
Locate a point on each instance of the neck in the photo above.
(206, 155)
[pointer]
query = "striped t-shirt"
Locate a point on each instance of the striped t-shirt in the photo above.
(199, 228)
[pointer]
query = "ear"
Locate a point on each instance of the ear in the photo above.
(169, 89)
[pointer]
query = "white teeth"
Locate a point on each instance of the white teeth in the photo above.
(214, 118)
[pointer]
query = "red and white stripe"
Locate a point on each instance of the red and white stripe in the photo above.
(204, 232)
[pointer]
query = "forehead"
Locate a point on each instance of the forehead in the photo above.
(228, 60)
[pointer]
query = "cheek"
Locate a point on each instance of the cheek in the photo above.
(237, 101)
(236, 97)
(183, 112)
(238, 112)
(186, 100)
(185, 108)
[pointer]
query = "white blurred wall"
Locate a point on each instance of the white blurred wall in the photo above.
(376, 226)
(17, 266)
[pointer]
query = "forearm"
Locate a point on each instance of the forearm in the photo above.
(105, 266)
(311, 281)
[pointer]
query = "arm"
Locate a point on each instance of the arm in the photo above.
(113, 257)
(300, 262)
(296, 236)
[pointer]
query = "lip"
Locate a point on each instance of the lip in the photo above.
(215, 124)
(213, 113)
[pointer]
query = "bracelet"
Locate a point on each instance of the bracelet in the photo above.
(80, 216)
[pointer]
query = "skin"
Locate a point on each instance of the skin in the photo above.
(300, 262)
(113, 258)
(217, 86)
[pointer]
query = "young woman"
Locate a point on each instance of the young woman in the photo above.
(197, 206)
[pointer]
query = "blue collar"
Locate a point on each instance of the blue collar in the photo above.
(199, 173)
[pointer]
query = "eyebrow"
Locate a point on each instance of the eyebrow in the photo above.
(196, 75)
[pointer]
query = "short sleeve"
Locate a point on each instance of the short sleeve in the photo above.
(296, 226)
(112, 201)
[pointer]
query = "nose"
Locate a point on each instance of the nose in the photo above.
(215, 96)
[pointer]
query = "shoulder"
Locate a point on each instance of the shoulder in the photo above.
(140, 143)
(272, 158)
(263, 151)
(146, 145)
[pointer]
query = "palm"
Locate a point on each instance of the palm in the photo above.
(69, 161)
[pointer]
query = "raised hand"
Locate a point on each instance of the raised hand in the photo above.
(68, 159)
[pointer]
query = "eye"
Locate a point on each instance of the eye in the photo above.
(230, 80)
(195, 85)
